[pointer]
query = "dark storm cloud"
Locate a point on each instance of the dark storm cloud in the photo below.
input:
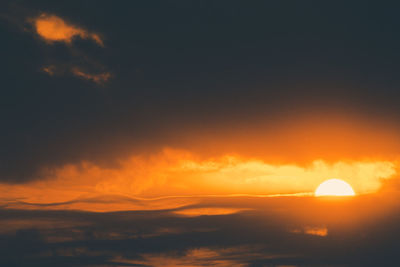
(185, 66)
(258, 237)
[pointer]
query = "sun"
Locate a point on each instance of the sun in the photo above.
(334, 187)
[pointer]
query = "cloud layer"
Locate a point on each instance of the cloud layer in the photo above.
(272, 231)
(180, 173)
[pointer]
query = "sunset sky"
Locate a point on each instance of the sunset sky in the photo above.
(195, 133)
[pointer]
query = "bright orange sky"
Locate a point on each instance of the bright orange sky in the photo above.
(293, 159)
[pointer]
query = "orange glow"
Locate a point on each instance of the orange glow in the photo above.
(180, 173)
(54, 29)
(207, 211)
(302, 139)
(288, 161)
(334, 187)
(319, 231)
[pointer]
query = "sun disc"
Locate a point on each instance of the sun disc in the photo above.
(334, 187)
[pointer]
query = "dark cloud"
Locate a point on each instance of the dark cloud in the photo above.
(182, 67)
(258, 237)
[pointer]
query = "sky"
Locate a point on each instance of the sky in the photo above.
(167, 133)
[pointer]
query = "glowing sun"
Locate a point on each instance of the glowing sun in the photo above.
(334, 187)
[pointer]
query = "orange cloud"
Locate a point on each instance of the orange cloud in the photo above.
(96, 78)
(99, 78)
(192, 258)
(318, 231)
(207, 211)
(180, 173)
(54, 29)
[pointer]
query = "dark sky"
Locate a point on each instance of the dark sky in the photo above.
(184, 67)
(181, 85)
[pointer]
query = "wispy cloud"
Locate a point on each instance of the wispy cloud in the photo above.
(318, 231)
(98, 78)
(52, 29)
(50, 69)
